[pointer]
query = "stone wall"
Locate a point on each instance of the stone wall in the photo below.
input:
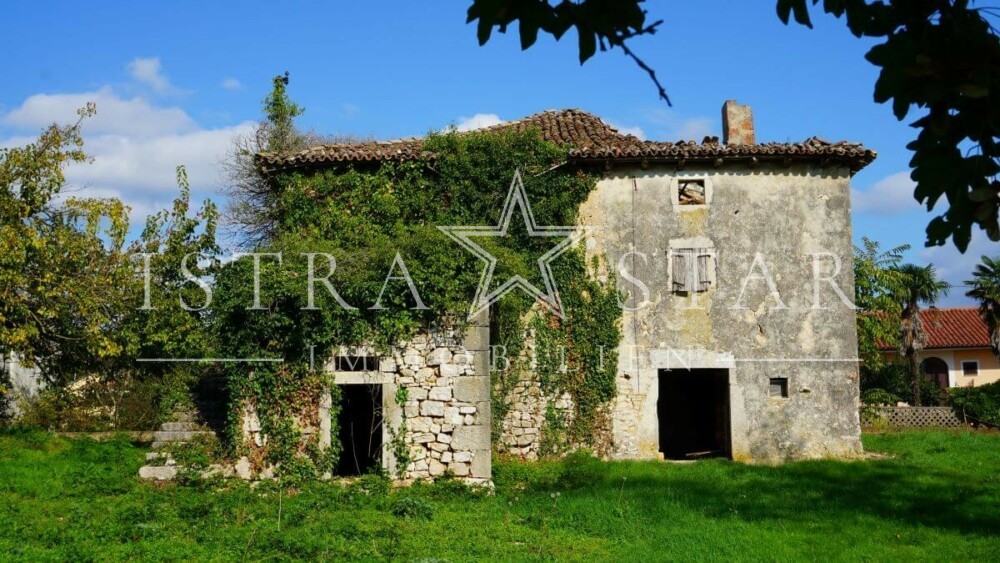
(444, 419)
(787, 213)
(524, 423)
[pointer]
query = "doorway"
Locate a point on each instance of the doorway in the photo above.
(359, 429)
(693, 413)
(935, 370)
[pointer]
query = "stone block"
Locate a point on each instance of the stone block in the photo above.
(477, 338)
(472, 389)
(158, 472)
(439, 356)
(436, 468)
(242, 469)
(419, 424)
(471, 438)
(440, 393)
(432, 408)
(452, 416)
(481, 466)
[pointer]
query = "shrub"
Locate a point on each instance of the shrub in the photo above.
(981, 404)
(407, 507)
(97, 404)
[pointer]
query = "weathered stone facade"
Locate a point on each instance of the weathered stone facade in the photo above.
(765, 312)
(787, 215)
(796, 216)
(441, 380)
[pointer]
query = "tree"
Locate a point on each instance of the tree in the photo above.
(62, 265)
(985, 288)
(919, 286)
(252, 197)
(938, 55)
(877, 280)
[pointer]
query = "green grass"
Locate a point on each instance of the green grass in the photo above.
(938, 498)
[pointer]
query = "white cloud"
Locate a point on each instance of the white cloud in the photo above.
(146, 166)
(673, 127)
(134, 117)
(134, 147)
(149, 72)
(626, 130)
(891, 195)
(955, 267)
(232, 84)
(478, 121)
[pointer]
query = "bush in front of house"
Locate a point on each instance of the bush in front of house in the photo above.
(980, 404)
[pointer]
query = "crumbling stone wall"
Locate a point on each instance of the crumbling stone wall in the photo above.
(444, 421)
(524, 424)
(447, 408)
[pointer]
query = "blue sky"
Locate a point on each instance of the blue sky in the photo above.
(175, 81)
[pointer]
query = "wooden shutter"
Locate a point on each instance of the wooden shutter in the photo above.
(681, 270)
(704, 275)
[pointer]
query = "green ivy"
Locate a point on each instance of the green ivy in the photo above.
(364, 216)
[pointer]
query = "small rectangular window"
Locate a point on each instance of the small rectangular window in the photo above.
(355, 363)
(778, 387)
(691, 192)
(692, 269)
(970, 368)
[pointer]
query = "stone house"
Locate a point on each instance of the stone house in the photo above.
(738, 335)
(957, 352)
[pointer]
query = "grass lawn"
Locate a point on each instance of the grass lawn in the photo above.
(938, 497)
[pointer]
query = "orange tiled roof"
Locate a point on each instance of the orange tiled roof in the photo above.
(588, 138)
(959, 327)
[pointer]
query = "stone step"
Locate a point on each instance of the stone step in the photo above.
(178, 436)
(158, 472)
(180, 426)
(184, 417)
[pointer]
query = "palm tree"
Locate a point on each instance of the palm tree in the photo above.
(985, 288)
(919, 285)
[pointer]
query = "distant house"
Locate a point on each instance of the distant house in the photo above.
(957, 352)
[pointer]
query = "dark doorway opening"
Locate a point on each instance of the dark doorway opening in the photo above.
(693, 412)
(935, 370)
(359, 429)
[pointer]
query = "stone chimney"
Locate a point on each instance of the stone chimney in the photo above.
(737, 124)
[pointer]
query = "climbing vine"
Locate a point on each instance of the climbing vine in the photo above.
(358, 221)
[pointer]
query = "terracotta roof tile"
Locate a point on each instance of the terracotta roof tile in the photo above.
(587, 138)
(960, 327)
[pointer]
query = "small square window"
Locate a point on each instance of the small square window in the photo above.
(691, 192)
(778, 387)
(970, 368)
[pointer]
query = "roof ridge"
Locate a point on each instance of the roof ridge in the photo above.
(586, 137)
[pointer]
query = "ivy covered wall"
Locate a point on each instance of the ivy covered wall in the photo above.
(359, 222)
